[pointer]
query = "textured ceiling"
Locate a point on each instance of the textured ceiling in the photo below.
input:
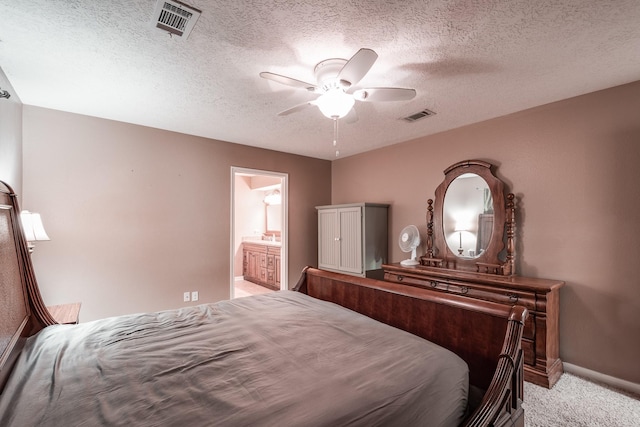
(468, 61)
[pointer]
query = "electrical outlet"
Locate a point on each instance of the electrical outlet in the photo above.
(194, 296)
(186, 297)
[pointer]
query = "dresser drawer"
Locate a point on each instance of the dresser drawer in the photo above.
(505, 296)
(472, 290)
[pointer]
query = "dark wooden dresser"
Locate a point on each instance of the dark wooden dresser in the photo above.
(542, 364)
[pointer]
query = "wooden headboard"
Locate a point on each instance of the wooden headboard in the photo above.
(22, 312)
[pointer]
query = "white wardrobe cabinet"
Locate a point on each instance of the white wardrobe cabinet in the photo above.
(353, 238)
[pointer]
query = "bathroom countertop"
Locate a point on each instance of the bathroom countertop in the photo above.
(258, 241)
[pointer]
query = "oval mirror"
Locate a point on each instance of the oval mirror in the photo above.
(468, 228)
(467, 218)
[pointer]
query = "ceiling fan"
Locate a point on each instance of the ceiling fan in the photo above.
(336, 81)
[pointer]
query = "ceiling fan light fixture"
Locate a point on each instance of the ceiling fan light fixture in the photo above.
(335, 103)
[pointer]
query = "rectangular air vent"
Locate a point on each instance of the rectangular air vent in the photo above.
(419, 115)
(175, 17)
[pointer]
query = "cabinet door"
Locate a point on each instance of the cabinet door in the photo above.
(262, 269)
(252, 261)
(245, 262)
(328, 243)
(271, 272)
(350, 239)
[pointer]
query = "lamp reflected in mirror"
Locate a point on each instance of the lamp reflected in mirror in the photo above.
(467, 198)
(33, 228)
(459, 229)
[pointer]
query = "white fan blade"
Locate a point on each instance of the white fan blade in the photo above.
(288, 81)
(295, 109)
(356, 68)
(376, 94)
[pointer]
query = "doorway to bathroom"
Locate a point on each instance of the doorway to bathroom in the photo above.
(259, 231)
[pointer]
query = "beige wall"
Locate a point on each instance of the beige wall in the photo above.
(138, 215)
(575, 168)
(10, 137)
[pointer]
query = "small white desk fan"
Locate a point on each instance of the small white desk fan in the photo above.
(409, 240)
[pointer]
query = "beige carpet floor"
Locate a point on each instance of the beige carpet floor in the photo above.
(574, 401)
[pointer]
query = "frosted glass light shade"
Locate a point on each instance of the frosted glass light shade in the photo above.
(335, 103)
(273, 198)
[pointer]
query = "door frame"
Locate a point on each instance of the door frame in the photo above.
(284, 235)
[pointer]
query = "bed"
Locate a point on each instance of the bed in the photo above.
(336, 350)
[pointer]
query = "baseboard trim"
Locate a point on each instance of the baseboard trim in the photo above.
(602, 378)
(238, 278)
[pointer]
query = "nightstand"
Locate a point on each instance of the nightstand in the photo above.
(66, 314)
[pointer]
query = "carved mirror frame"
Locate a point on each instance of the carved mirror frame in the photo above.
(499, 256)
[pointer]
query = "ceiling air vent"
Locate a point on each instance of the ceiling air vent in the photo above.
(419, 115)
(175, 17)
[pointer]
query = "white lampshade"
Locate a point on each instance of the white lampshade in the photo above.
(335, 103)
(32, 226)
(461, 227)
(273, 198)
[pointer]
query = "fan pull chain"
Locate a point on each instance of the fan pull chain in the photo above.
(335, 134)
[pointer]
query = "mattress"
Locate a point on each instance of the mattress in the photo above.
(279, 359)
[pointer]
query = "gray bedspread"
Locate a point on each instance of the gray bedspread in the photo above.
(281, 359)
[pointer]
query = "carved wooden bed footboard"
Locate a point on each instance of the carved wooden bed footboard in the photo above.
(484, 334)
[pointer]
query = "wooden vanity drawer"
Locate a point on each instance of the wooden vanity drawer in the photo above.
(254, 247)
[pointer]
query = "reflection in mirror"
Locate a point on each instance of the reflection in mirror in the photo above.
(273, 212)
(468, 215)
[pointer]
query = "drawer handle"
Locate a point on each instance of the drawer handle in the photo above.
(400, 278)
(464, 290)
(434, 284)
(513, 298)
